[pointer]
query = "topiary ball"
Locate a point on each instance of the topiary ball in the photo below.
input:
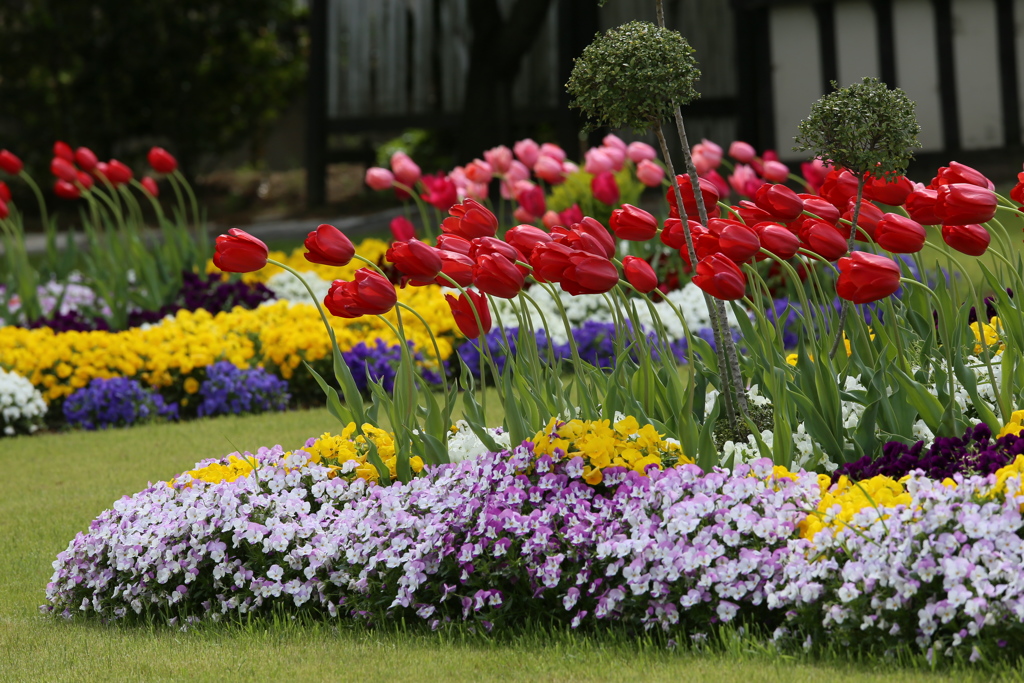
(633, 76)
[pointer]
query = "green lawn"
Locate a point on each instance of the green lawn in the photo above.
(53, 485)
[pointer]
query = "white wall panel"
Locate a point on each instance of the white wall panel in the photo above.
(917, 68)
(796, 71)
(975, 49)
(856, 42)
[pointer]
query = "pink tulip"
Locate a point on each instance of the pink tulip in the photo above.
(549, 170)
(742, 152)
(523, 216)
(527, 151)
(618, 157)
(500, 158)
(639, 151)
(649, 173)
(814, 172)
(550, 149)
(612, 140)
(379, 178)
(720, 182)
(478, 171)
(551, 219)
(710, 151)
(701, 163)
(744, 181)
(597, 161)
(569, 167)
(405, 169)
(472, 190)
(776, 171)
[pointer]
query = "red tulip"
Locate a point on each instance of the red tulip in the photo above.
(587, 235)
(84, 179)
(814, 173)
(458, 267)
(865, 277)
(10, 163)
(571, 215)
(778, 240)
(85, 159)
(823, 239)
(454, 243)
(369, 294)
(379, 178)
(735, 240)
(589, 274)
(549, 261)
(892, 193)
(778, 200)
(161, 160)
(66, 190)
(531, 198)
(972, 240)
(960, 173)
(1017, 193)
(63, 169)
(720, 277)
(418, 261)
(673, 235)
(328, 246)
(632, 223)
(117, 173)
(921, 206)
(150, 186)
(62, 150)
(752, 215)
(4, 211)
(707, 190)
(742, 152)
(963, 204)
(496, 275)
(402, 229)
(639, 274)
(899, 234)
(526, 237)
(492, 245)
(442, 192)
(819, 207)
(239, 252)
(605, 189)
(5, 192)
(838, 187)
(867, 220)
(463, 312)
(470, 220)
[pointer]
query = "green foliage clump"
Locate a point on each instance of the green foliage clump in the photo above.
(633, 76)
(198, 76)
(866, 127)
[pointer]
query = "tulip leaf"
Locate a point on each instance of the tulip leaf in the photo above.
(334, 405)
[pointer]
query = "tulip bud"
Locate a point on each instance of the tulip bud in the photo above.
(742, 152)
(649, 173)
(605, 189)
(972, 240)
(640, 151)
(62, 150)
(639, 274)
(10, 163)
(379, 178)
(632, 223)
(899, 234)
(63, 169)
(150, 186)
(775, 171)
(865, 277)
(369, 294)
(720, 277)
(85, 159)
(162, 161)
(463, 311)
(239, 252)
(329, 246)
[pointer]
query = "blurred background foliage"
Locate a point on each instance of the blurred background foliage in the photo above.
(200, 77)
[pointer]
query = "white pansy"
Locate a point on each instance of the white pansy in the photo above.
(21, 405)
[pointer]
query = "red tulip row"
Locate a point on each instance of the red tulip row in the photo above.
(77, 171)
(580, 258)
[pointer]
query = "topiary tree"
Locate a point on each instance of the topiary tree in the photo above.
(866, 128)
(636, 76)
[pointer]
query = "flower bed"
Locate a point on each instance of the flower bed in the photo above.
(503, 537)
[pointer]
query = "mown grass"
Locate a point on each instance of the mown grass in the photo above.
(54, 484)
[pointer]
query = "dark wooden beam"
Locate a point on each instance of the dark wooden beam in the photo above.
(316, 106)
(886, 41)
(1008, 89)
(825, 14)
(947, 74)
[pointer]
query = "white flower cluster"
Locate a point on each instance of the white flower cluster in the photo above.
(286, 286)
(21, 405)
(594, 307)
(463, 444)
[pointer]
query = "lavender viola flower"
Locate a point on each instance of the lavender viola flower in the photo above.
(231, 390)
(115, 402)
